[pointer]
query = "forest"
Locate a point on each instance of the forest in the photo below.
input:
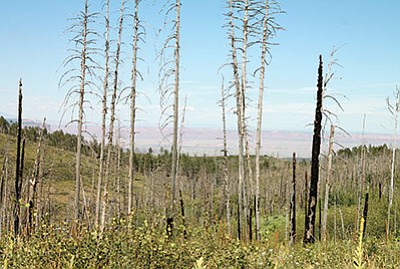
(72, 200)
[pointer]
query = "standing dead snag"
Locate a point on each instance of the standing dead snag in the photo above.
(394, 111)
(80, 80)
(240, 109)
(292, 234)
(112, 118)
(104, 113)
(171, 69)
(328, 183)
(259, 118)
(225, 161)
(18, 168)
(174, 168)
(34, 181)
(80, 119)
(136, 36)
(309, 233)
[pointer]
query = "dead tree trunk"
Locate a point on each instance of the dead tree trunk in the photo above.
(394, 110)
(3, 190)
(104, 114)
(112, 118)
(259, 119)
(18, 170)
(239, 112)
(292, 234)
(80, 117)
(327, 184)
(174, 164)
(365, 212)
(225, 162)
(35, 181)
(309, 234)
(133, 105)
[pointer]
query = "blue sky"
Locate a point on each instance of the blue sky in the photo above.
(33, 47)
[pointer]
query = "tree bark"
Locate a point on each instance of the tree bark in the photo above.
(112, 118)
(259, 119)
(80, 117)
(35, 180)
(327, 184)
(133, 107)
(309, 235)
(240, 117)
(104, 114)
(225, 162)
(292, 234)
(174, 165)
(18, 170)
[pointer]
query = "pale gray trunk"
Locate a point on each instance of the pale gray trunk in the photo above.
(240, 117)
(293, 234)
(392, 172)
(225, 162)
(34, 181)
(259, 120)
(174, 167)
(133, 106)
(80, 117)
(118, 167)
(112, 119)
(247, 176)
(361, 176)
(104, 114)
(327, 184)
(3, 191)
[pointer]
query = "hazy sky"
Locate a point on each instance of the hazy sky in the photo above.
(33, 47)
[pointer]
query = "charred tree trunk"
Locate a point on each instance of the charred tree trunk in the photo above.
(365, 212)
(18, 170)
(183, 214)
(309, 234)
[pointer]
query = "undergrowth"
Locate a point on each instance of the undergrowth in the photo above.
(124, 246)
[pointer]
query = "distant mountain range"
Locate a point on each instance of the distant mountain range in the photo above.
(278, 143)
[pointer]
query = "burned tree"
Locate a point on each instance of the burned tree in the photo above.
(292, 234)
(18, 165)
(104, 112)
(170, 69)
(84, 39)
(309, 234)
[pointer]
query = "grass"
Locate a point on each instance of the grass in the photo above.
(126, 246)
